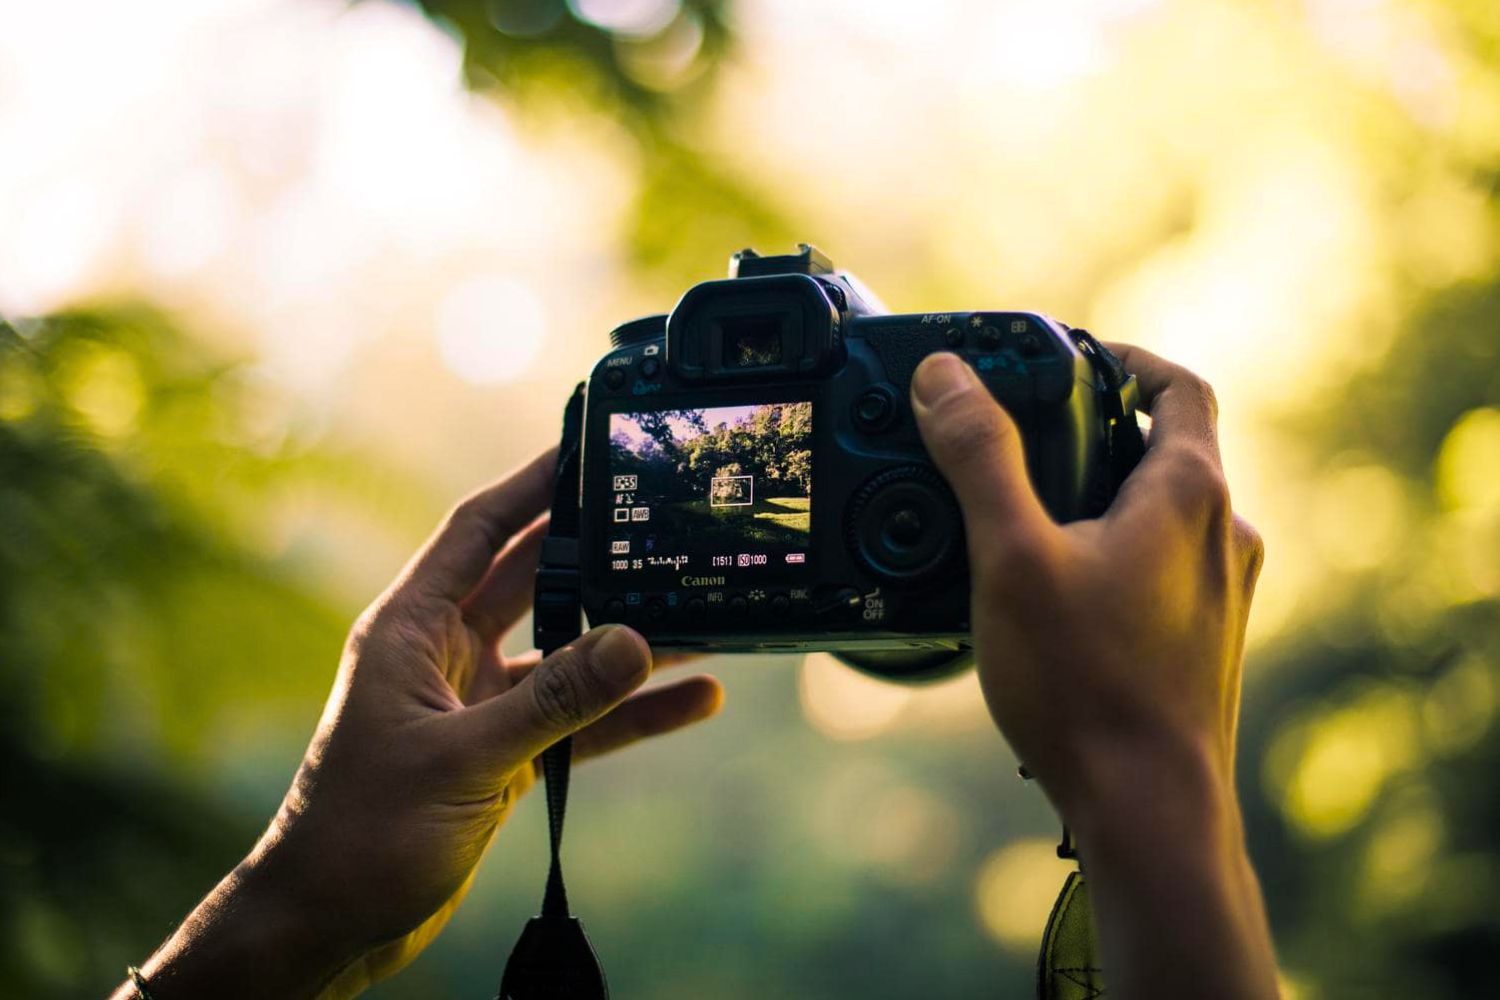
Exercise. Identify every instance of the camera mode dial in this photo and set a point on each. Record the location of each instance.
(638, 331)
(904, 526)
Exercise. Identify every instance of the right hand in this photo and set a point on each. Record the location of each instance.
(1109, 650)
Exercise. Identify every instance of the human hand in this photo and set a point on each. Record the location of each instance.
(427, 741)
(1109, 654)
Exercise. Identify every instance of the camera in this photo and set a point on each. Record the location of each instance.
(752, 480)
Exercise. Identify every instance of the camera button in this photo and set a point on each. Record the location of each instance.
(614, 611)
(875, 408)
(739, 606)
(989, 338)
(614, 378)
(904, 526)
(696, 609)
(656, 609)
(650, 368)
(780, 604)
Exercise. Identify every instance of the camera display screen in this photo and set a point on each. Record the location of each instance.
(725, 487)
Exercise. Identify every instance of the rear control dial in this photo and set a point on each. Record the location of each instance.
(904, 525)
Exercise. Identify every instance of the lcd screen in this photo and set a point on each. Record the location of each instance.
(725, 487)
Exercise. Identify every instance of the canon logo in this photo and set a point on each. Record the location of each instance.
(703, 581)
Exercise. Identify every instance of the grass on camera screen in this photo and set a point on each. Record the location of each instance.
(724, 486)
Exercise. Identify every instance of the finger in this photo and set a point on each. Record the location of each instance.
(1181, 476)
(496, 675)
(651, 713)
(567, 690)
(505, 593)
(977, 447)
(502, 675)
(1250, 549)
(1184, 411)
(461, 550)
(518, 667)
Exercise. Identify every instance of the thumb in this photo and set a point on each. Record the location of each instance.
(568, 690)
(977, 447)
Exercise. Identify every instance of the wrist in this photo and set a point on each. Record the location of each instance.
(252, 936)
(1161, 841)
(1152, 794)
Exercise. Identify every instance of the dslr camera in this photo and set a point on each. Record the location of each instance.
(751, 478)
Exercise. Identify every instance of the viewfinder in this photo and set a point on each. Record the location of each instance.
(751, 341)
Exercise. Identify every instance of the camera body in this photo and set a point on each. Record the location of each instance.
(752, 479)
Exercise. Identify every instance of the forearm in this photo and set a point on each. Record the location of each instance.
(247, 938)
(1176, 902)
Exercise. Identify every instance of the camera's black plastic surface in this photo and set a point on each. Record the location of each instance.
(884, 581)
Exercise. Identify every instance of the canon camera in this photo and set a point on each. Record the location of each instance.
(752, 480)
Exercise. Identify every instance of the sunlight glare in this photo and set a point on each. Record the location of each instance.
(1326, 771)
(1468, 464)
(1015, 890)
(490, 329)
(1358, 516)
(844, 704)
(627, 17)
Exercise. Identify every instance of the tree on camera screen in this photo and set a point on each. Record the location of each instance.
(725, 486)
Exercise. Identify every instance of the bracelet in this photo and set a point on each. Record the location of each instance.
(139, 982)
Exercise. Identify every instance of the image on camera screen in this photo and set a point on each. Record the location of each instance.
(714, 488)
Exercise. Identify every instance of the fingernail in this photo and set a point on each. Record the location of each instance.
(939, 377)
(620, 654)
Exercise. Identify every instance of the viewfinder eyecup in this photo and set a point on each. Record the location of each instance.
(754, 328)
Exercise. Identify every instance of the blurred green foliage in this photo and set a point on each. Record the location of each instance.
(135, 606)
(1391, 893)
(523, 47)
(690, 209)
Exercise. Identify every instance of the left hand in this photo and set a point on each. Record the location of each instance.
(427, 741)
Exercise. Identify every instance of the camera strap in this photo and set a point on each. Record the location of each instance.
(1067, 965)
(553, 960)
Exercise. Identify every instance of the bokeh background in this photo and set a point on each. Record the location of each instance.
(284, 278)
